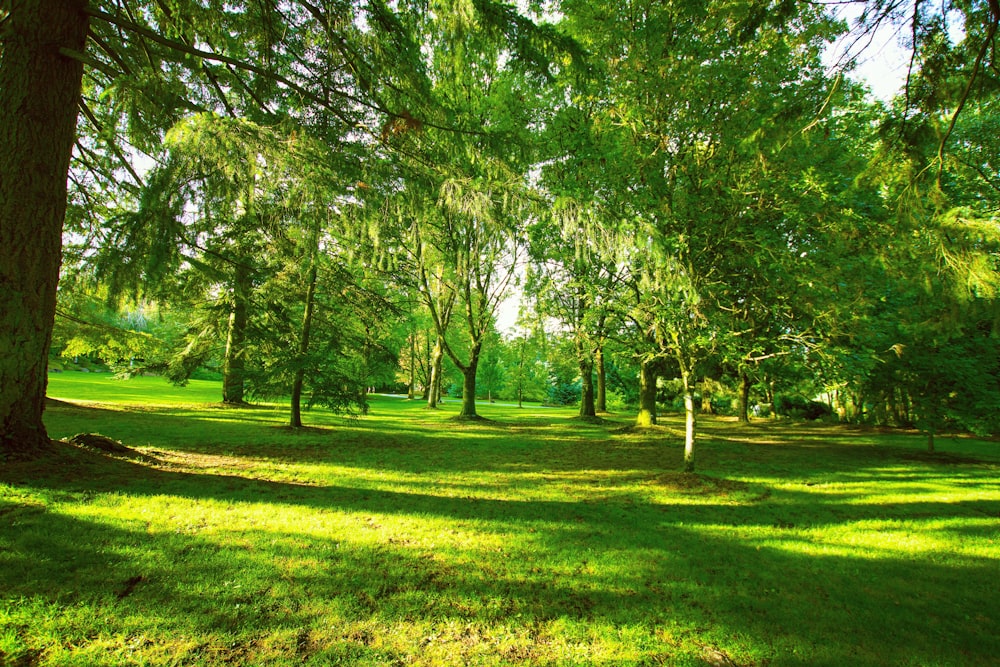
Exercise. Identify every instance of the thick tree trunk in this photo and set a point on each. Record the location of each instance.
(39, 94)
(647, 395)
(300, 372)
(437, 362)
(744, 405)
(469, 385)
(234, 364)
(601, 404)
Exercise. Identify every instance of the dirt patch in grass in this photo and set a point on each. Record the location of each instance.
(96, 442)
(688, 483)
(942, 458)
(589, 419)
(633, 429)
(304, 430)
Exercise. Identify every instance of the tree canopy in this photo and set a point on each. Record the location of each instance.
(314, 198)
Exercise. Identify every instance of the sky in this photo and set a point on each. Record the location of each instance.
(882, 61)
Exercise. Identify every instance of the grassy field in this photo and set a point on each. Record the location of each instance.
(408, 538)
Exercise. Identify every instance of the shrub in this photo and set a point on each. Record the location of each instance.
(800, 407)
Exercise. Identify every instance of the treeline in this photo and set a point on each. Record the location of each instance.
(317, 198)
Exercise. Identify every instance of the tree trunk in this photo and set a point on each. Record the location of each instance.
(744, 406)
(39, 94)
(706, 398)
(411, 388)
(295, 420)
(437, 362)
(234, 364)
(930, 440)
(427, 368)
(602, 382)
(469, 385)
(689, 424)
(647, 395)
(587, 388)
(769, 384)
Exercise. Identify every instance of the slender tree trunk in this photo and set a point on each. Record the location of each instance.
(234, 364)
(602, 382)
(428, 368)
(39, 93)
(647, 394)
(520, 372)
(744, 406)
(689, 423)
(437, 363)
(469, 384)
(930, 440)
(587, 408)
(411, 389)
(769, 384)
(706, 398)
(300, 372)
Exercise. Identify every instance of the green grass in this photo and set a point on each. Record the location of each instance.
(408, 538)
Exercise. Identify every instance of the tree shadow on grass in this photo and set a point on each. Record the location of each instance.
(685, 578)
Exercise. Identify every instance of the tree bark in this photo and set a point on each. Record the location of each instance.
(601, 404)
(647, 394)
(39, 95)
(427, 366)
(706, 398)
(234, 364)
(437, 362)
(689, 423)
(300, 372)
(411, 388)
(587, 408)
(469, 384)
(744, 405)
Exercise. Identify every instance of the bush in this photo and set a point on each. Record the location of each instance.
(563, 393)
(817, 410)
(616, 402)
(800, 407)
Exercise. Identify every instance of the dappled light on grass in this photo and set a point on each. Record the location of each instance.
(531, 541)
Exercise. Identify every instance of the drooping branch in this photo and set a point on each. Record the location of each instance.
(965, 93)
(181, 47)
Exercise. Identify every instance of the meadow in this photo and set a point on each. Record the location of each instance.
(406, 537)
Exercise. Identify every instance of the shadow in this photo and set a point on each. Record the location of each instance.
(701, 574)
(777, 563)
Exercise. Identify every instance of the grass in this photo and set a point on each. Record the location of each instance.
(409, 538)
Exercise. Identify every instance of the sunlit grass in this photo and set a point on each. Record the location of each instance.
(408, 538)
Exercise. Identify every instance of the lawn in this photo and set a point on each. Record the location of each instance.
(408, 538)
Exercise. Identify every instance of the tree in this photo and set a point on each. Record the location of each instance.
(576, 280)
(683, 139)
(465, 194)
(39, 89)
(181, 55)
